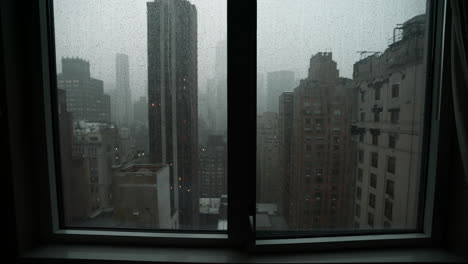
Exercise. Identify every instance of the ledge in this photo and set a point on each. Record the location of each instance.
(106, 254)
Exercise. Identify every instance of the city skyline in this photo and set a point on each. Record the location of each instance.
(96, 31)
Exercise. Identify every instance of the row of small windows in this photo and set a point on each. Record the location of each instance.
(394, 116)
(377, 92)
(391, 161)
(389, 188)
(375, 139)
(388, 212)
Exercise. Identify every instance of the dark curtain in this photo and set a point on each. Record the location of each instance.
(459, 65)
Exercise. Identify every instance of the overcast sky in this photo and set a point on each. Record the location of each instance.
(96, 30)
(289, 32)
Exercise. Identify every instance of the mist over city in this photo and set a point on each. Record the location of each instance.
(142, 110)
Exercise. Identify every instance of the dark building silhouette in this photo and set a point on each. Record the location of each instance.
(85, 95)
(213, 168)
(172, 98)
(285, 129)
(75, 180)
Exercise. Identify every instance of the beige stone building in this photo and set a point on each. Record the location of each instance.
(387, 133)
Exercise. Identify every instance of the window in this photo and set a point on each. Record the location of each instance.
(373, 180)
(377, 117)
(363, 116)
(395, 90)
(389, 188)
(375, 139)
(372, 200)
(394, 116)
(370, 219)
(361, 137)
(392, 141)
(358, 193)
(360, 156)
(363, 96)
(377, 93)
(388, 209)
(359, 174)
(344, 138)
(358, 210)
(374, 159)
(162, 189)
(391, 164)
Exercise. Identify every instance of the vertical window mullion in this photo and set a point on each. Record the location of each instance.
(242, 64)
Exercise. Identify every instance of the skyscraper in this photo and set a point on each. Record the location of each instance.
(172, 98)
(122, 85)
(319, 187)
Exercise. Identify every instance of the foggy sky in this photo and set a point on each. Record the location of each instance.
(290, 31)
(96, 30)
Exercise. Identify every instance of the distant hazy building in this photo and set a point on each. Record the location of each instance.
(285, 130)
(145, 197)
(213, 167)
(268, 177)
(172, 97)
(320, 186)
(391, 90)
(140, 110)
(278, 82)
(85, 95)
(122, 86)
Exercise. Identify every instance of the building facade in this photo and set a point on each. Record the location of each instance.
(319, 188)
(172, 98)
(285, 129)
(391, 90)
(145, 197)
(85, 95)
(99, 145)
(268, 177)
(213, 167)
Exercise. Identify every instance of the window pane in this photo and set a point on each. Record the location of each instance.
(141, 87)
(365, 59)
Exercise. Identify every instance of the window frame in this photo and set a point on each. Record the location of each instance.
(242, 72)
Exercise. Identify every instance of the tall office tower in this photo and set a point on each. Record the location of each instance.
(172, 98)
(122, 84)
(319, 194)
(268, 181)
(388, 133)
(213, 170)
(85, 95)
(285, 128)
(278, 82)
